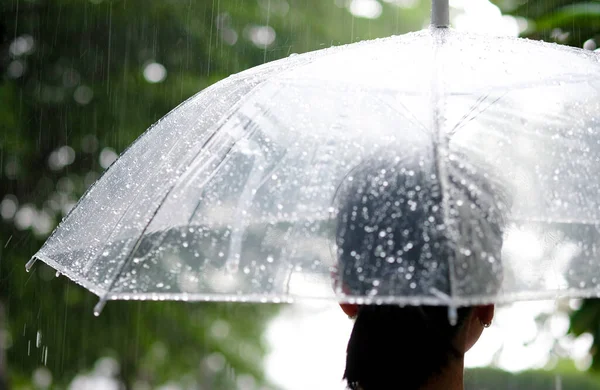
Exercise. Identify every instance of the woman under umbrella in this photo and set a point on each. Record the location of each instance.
(397, 236)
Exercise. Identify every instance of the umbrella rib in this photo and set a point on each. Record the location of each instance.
(100, 305)
(225, 157)
(162, 235)
(107, 172)
(440, 148)
(288, 278)
(91, 263)
(408, 114)
(462, 123)
(98, 308)
(251, 126)
(477, 103)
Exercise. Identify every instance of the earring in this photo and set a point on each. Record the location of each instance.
(484, 324)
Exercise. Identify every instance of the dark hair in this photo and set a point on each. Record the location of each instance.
(400, 234)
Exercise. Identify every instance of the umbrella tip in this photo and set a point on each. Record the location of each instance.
(30, 264)
(452, 315)
(440, 13)
(99, 306)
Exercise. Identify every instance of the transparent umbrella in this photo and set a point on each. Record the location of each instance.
(245, 192)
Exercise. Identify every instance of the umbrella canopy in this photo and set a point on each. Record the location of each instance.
(435, 167)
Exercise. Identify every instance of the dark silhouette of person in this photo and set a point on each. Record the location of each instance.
(406, 230)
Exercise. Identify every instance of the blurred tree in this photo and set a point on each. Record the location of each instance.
(80, 80)
(494, 379)
(570, 22)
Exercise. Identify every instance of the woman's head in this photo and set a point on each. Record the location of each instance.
(404, 230)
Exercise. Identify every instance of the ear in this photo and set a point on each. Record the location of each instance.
(480, 317)
(485, 314)
(350, 309)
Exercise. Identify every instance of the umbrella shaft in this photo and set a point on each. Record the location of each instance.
(440, 16)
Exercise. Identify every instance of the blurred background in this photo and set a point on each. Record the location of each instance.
(81, 79)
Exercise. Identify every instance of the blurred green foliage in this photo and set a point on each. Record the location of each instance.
(569, 22)
(72, 93)
(494, 379)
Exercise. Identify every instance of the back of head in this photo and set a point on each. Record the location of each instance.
(404, 233)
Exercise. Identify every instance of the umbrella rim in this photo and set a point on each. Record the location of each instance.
(498, 299)
(62, 270)
(547, 295)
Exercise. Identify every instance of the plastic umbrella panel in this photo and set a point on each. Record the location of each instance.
(435, 167)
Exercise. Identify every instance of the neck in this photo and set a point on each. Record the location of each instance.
(451, 378)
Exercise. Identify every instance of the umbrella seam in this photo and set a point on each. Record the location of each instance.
(252, 91)
(440, 148)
